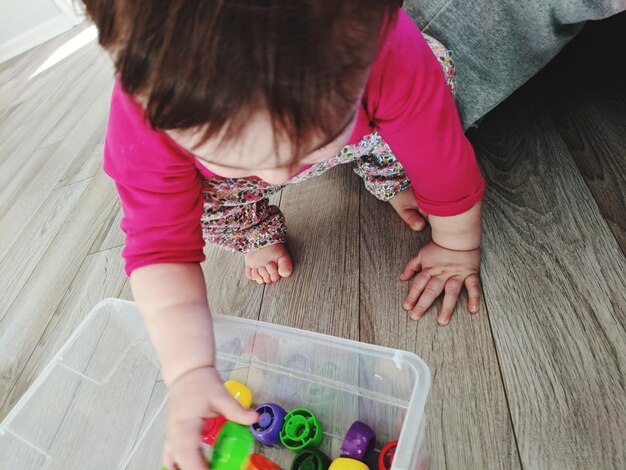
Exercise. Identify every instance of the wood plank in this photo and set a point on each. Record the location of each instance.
(52, 96)
(588, 110)
(591, 123)
(61, 124)
(99, 277)
(322, 293)
(110, 234)
(555, 289)
(17, 69)
(25, 321)
(467, 402)
(60, 164)
(22, 258)
(229, 291)
(88, 160)
(28, 82)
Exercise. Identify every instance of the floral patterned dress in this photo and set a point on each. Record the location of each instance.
(238, 217)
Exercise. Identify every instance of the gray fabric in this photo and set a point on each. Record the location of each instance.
(497, 45)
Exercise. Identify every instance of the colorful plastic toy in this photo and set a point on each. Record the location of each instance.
(359, 441)
(233, 447)
(239, 392)
(385, 459)
(301, 430)
(343, 463)
(310, 459)
(260, 462)
(271, 421)
(212, 428)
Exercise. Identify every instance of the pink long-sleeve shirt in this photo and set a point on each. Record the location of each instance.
(406, 100)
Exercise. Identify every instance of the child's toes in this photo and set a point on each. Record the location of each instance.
(255, 276)
(272, 270)
(264, 275)
(285, 267)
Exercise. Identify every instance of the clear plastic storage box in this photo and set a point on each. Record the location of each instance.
(101, 402)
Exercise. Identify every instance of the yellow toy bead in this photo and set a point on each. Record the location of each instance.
(239, 392)
(343, 463)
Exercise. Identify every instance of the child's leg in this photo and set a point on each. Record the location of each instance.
(244, 228)
(238, 217)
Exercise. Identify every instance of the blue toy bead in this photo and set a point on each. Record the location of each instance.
(271, 421)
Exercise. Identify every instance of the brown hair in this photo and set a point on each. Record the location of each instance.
(211, 63)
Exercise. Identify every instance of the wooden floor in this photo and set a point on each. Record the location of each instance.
(535, 380)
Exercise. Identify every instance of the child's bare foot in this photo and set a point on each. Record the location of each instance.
(406, 207)
(268, 264)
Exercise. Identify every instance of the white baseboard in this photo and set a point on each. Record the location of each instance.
(34, 36)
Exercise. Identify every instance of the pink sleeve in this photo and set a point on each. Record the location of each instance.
(159, 187)
(414, 112)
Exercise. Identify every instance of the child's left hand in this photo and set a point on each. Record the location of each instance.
(441, 270)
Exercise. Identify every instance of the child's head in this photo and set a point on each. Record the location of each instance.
(251, 86)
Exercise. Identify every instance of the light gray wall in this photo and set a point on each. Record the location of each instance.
(19, 16)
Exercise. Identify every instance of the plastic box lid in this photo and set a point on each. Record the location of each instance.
(101, 402)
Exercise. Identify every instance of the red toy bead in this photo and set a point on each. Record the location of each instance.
(260, 462)
(385, 459)
(212, 428)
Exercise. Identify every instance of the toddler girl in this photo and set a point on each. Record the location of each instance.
(218, 104)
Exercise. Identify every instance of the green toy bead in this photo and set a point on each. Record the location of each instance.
(234, 445)
(310, 459)
(301, 430)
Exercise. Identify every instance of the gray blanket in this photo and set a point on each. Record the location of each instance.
(497, 45)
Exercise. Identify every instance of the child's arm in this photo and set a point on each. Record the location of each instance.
(173, 303)
(161, 194)
(411, 107)
(448, 263)
(460, 232)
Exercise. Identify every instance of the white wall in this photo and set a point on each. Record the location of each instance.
(27, 23)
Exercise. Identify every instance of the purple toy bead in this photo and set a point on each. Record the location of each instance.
(271, 421)
(359, 441)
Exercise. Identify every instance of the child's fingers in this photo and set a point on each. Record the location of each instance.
(264, 275)
(191, 458)
(472, 284)
(185, 447)
(451, 296)
(413, 219)
(233, 411)
(413, 266)
(256, 277)
(417, 286)
(272, 270)
(285, 266)
(249, 272)
(433, 288)
(168, 459)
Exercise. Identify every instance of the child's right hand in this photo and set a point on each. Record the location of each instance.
(193, 396)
